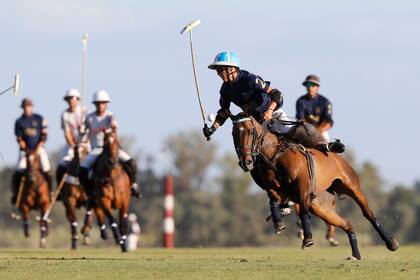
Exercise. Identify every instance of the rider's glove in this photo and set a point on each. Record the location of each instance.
(208, 131)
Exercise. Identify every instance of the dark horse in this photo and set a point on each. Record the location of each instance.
(74, 197)
(283, 169)
(35, 194)
(111, 188)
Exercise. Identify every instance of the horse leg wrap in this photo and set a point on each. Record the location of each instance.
(73, 229)
(353, 243)
(391, 243)
(123, 243)
(115, 232)
(44, 228)
(26, 228)
(104, 234)
(87, 218)
(306, 226)
(378, 227)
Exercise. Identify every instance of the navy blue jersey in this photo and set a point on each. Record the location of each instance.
(314, 110)
(30, 129)
(249, 92)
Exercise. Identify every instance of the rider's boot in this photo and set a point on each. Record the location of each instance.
(276, 215)
(130, 167)
(59, 173)
(85, 182)
(334, 147)
(16, 177)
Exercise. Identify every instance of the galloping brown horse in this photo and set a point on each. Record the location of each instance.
(74, 197)
(35, 195)
(283, 169)
(111, 187)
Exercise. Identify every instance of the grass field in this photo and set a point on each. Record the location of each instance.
(232, 263)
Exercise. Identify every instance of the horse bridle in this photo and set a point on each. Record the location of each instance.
(255, 147)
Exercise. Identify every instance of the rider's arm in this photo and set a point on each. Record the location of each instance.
(68, 135)
(276, 100)
(19, 136)
(300, 110)
(223, 113)
(113, 124)
(21, 142)
(326, 116)
(69, 138)
(44, 134)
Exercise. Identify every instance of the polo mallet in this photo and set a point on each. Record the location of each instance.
(56, 193)
(15, 86)
(189, 28)
(16, 216)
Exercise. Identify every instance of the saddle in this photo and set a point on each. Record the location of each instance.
(299, 133)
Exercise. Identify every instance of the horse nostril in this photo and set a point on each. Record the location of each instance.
(249, 162)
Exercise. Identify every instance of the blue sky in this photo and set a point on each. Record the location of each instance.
(366, 52)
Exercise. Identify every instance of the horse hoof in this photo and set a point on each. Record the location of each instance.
(86, 240)
(333, 242)
(43, 243)
(306, 243)
(124, 247)
(392, 244)
(353, 258)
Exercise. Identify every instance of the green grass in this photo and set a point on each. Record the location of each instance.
(232, 263)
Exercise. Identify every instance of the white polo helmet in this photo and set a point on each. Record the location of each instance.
(72, 93)
(101, 96)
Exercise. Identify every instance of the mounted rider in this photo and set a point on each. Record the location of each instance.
(73, 125)
(316, 109)
(31, 132)
(96, 124)
(254, 96)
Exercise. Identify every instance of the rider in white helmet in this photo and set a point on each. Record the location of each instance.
(73, 124)
(96, 123)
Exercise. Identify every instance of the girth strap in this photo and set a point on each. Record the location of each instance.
(311, 171)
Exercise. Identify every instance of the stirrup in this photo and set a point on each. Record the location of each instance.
(278, 228)
(285, 211)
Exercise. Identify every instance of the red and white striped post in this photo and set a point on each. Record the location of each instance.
(168, 219)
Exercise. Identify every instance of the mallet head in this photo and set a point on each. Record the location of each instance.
(190, 26)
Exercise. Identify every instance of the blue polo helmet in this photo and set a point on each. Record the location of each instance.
(225, 59)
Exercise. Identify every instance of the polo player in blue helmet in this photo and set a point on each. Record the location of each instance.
(254, 96)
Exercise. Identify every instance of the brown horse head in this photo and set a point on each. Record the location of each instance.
(247, 135)
(111, 146)
(33, 167)
(108, 159)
